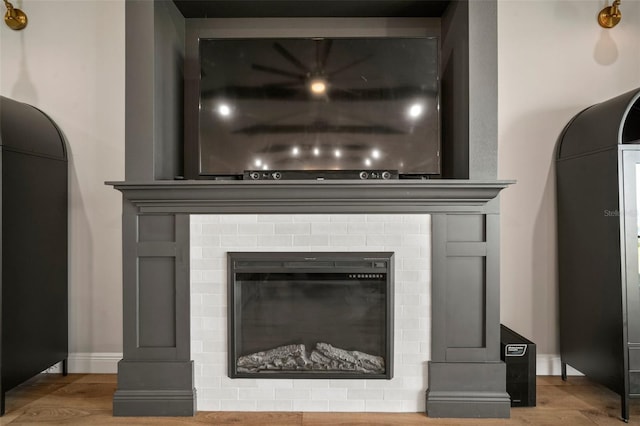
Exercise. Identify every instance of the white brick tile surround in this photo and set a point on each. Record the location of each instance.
(406, 235)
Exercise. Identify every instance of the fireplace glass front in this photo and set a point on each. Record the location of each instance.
(310, 315)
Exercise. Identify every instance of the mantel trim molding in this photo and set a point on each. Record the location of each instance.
(302, 196)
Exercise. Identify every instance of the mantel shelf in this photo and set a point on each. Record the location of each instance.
(310, 196)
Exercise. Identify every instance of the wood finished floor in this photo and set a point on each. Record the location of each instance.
(85, 399)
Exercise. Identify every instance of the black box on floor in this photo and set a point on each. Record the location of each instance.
(519, 354)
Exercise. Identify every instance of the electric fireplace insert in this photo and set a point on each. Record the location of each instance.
(311, 315)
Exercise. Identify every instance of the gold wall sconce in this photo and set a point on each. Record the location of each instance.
(610, 15)
(14, 18)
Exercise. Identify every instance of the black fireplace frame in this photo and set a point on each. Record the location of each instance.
(350, 262)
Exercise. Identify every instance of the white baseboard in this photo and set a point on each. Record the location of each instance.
(550, 365)
(91, 363)
(107, 363)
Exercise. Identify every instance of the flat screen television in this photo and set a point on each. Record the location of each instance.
(317, 105)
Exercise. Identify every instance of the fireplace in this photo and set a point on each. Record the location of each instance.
(164, 350)
(310, 315)
(156, 374)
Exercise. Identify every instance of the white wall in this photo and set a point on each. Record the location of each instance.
(554, 60)
(69, 62)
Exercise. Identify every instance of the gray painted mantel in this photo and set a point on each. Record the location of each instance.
(465, 375)
(155, 377)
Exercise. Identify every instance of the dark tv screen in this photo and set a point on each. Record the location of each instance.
(319, 104)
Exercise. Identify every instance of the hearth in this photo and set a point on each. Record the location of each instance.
(310, 315)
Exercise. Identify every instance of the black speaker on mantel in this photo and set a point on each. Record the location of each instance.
(519, 354)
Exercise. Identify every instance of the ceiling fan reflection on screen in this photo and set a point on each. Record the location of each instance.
(316, 78)
(317, 81)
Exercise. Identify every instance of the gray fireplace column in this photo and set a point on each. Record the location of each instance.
(466, 376)
(155, 376)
